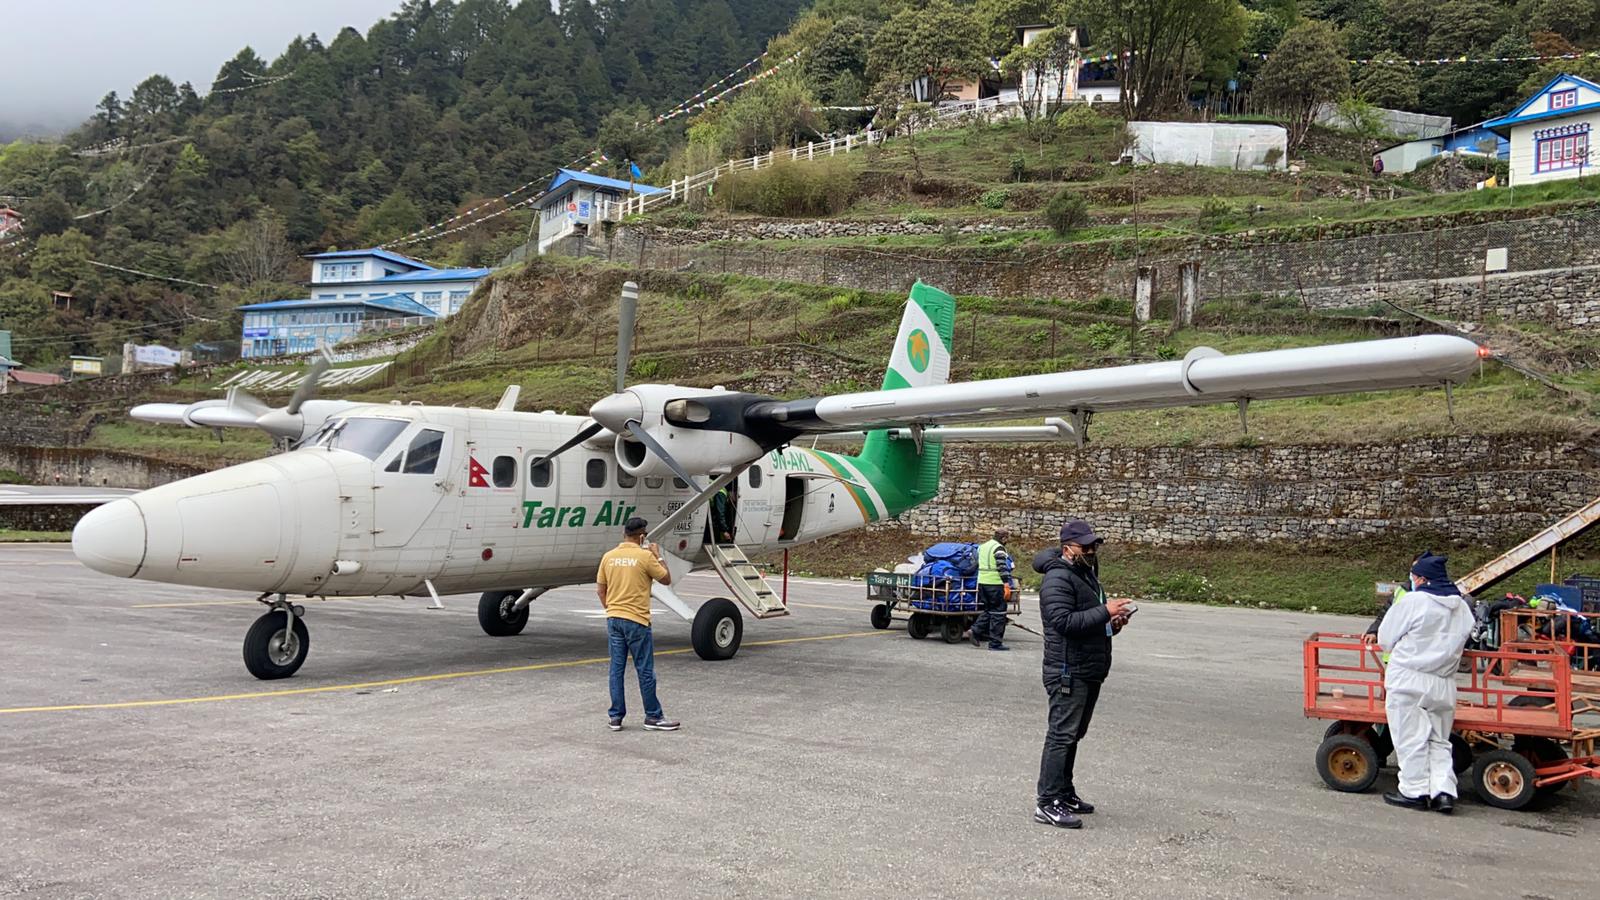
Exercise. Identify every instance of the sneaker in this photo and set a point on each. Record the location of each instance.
(660, 725)
(615, 724)
(998, 647)
(1057, 815)
(1076, 804)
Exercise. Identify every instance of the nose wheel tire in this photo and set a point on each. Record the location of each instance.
(718, 628)
(272, 650)
(495, 614)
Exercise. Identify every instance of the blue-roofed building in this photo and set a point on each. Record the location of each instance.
(576, 200)
(301, 326)
(1473, 140)
(353, 291)
(1552, 132)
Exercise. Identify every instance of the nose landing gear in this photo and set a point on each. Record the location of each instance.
(277, 643)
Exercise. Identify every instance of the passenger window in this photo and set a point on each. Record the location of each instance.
(422, 457)
(540, 475)
(679, 483)
(594, 473)
(755, 476)
(625, 480)
(654, 482)
(505, 472)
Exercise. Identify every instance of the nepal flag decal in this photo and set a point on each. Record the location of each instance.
(477, 475)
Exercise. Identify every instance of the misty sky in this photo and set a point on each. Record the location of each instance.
(64, 55)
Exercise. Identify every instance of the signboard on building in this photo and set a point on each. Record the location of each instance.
(87, 365)
(156, 355)
(583, 209)
(251, 334)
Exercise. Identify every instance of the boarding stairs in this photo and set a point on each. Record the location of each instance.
(746, 582)
(1546, 540)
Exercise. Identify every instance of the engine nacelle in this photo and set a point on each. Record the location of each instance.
(698, 450)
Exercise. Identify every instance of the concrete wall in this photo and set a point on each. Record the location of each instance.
(1481, 490)
(1242, 147)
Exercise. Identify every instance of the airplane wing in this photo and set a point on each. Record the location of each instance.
(1203, 377)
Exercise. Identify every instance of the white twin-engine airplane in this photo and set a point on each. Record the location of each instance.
(419, 500)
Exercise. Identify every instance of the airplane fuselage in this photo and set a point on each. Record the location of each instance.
(405, 495)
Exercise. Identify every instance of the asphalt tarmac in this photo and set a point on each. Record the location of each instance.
(413, 756)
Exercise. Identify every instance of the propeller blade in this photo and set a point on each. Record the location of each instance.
(588, 431)
(627, 314)
(308, 385)
(238, 399)
(643, 437)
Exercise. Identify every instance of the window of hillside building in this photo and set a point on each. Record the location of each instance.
(1564, 99)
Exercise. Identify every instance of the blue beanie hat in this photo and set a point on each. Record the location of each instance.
(1431, 567)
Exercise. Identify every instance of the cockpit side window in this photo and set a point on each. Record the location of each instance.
(368, 437)
(422, 457)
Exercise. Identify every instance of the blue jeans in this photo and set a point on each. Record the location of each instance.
(629, 637)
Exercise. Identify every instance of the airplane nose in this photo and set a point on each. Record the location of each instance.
(111, 539)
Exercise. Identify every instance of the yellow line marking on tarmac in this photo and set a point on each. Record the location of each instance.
(412, 679)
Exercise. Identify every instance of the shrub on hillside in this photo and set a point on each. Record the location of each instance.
(1215, 215)
(922, 218)
(793, 189)
(1067, 212)
(995, 199)
(1079, 117)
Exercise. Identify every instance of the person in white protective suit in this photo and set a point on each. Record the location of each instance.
(1424, 634)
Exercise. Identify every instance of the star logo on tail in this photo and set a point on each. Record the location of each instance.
(918, 350)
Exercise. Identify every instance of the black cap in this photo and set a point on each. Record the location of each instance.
(1077, 531)
(635, 526)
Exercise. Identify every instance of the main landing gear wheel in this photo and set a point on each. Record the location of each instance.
(1504, 778)
(496, 616)
(1347, 763)
(718, 628)
(272, 649)
(917, 626)
(950, 629)
(881, 617)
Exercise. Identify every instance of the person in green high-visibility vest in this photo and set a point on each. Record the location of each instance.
(994, 570)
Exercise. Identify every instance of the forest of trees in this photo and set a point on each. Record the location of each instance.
(366, 138)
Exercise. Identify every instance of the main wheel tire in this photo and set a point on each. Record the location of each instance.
(273, 651)
(881, 617)
(718, 628)
(1504, 778)
(1461, 754)
(950, 629)
(496, 617)
(917, 626)
(1347, 763)
(1542, 752)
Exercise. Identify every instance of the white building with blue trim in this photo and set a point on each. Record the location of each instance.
(575, 200)
(1552, 132)
(354, 291)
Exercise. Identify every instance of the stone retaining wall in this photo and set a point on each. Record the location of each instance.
(97, 468)
(1568, 298)
(1473, 489)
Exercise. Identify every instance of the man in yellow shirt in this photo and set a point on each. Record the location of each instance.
(623, 584)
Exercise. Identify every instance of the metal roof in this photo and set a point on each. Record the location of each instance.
(1515, 117)
(572, 176)
(378, 252)
(393, 302)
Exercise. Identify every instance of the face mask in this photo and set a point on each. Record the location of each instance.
(1414, 584)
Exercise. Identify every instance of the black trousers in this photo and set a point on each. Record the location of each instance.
(991, 622)
(1072, 703)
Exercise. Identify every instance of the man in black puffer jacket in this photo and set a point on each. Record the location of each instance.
(1078, 626)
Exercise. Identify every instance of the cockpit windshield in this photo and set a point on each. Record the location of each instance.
(368, 437)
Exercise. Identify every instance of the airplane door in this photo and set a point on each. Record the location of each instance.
(408, 486)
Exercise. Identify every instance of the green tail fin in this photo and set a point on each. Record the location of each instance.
(921, 357)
